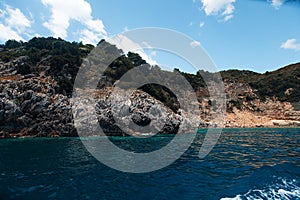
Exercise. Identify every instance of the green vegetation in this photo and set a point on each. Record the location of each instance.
(61, 60)
(284, 84)
(127, 62)
(64, 58)
(243, 76)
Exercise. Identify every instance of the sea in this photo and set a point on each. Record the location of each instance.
(258, 163)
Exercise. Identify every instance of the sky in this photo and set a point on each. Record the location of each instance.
(258, 35)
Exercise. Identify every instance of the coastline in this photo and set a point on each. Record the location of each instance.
(36, 98)
(20, 136)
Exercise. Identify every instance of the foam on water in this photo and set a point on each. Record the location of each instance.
(285, 190)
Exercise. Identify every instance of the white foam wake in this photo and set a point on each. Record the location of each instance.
(286, 190)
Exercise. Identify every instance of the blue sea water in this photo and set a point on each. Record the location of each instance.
(245, 164)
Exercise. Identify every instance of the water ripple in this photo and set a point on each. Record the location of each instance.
(245, 164)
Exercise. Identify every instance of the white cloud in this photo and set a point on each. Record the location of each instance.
(224, 8)
(17, 19)
(89, 37)
(228, 10)
(146, 45)
(201, 24)
(126, 28)
(125, 44)
(277, 3)
(291, 44)
(6, 33)
(62, 12)
(228, 17)
(153, 53)
(2, 13)
(195, 44)
(13, 24)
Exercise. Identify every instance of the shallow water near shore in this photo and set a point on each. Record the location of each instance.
(245, 164)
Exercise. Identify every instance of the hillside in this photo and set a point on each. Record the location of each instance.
(37, 77)
(282, 83)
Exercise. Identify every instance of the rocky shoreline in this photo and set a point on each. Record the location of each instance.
(35, 98)
(29, 107)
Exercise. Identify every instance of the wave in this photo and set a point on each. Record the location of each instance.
(284, 190)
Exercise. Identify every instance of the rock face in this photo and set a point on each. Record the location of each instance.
(28, 107)
(285, 123)
(138, 115)
(31, 106)
(246, 109)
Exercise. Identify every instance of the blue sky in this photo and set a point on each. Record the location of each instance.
(240, 34)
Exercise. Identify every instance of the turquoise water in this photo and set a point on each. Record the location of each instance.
(245, 164)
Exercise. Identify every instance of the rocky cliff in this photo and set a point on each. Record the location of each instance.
(30, 106)
(36, 82)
